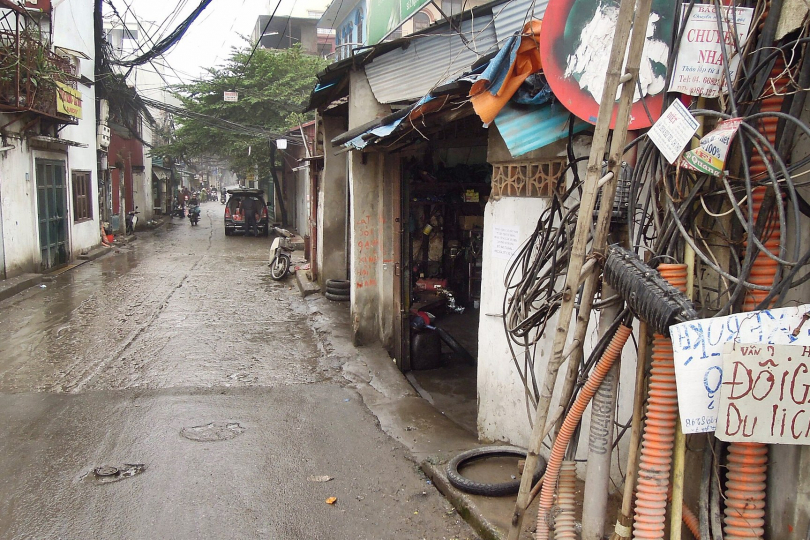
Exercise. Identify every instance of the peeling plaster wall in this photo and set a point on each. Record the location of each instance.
(367, 217)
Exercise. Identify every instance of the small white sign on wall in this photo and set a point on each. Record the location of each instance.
(765, 396)
(505, 241)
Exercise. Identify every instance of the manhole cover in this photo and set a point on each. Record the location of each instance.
(106, 471)
(215, 431)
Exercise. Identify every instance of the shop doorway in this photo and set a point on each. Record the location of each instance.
(445, 190)
(52, 213)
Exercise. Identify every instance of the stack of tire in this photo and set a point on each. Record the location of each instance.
(337, 290)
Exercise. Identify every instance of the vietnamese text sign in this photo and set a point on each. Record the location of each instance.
(505, 241)
(673, 131)
(699, 68)
(68, 100)
(765, 396)
(698, 346)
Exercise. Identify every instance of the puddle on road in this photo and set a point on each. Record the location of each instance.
(215, 431)
(107, 474)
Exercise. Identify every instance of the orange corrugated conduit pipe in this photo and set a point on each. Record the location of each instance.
(570, 423)
(746, 475)
(655, 460)
(565, 525)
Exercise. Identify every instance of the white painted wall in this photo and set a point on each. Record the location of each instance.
(73, 29)
(502, 410)
(18, 197)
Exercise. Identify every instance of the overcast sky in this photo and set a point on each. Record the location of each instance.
(212, 35)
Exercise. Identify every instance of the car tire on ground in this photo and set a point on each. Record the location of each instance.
(337, 292)
(483, 488)
(339, 286)
(337, 297)
(456, 347)
(266, 231)
(227, 232)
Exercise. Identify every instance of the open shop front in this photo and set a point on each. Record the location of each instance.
(445, 186)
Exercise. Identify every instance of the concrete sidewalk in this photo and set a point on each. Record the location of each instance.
(431, 437)
(12, 286)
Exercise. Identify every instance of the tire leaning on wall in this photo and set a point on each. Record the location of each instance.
(338, 290)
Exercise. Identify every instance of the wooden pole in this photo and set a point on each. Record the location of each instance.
(578, 252)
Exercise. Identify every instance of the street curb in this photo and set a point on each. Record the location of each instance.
(305, 286)
(465, 507)
(95, 253)
(16, 285)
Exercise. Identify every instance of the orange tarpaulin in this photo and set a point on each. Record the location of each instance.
(527, 61)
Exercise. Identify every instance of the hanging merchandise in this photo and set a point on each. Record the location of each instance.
(575, 46)
(703, 53)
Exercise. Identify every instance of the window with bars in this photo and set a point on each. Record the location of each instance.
(82, 201)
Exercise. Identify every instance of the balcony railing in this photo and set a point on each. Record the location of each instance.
(343, 51)
(30, 73)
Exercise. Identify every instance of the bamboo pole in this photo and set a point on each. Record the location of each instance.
(578, 251)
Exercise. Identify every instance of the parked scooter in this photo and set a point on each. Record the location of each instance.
(131, 221)
(280, 253)
(178, 211)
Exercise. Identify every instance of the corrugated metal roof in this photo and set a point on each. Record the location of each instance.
(429, 60)
(511, 16)
(527, 128)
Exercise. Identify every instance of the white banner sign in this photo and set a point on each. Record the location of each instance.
(698, 347)
(505, 241)
(231, 97)
(699, 68)
(765, 396)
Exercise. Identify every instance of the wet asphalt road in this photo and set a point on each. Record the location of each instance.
(184, 330)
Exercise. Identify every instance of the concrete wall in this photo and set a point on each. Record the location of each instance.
(366, 217)
(19, 213)
(503, 414)
(332, 205)
(73, 29)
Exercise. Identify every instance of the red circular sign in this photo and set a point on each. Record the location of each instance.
(563, 27)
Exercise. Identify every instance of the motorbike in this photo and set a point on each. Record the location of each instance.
(194, 215)
(178, 211)
(223, 198)
(131, 221)
(280, 253)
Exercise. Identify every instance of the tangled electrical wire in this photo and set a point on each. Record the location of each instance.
(672, 209)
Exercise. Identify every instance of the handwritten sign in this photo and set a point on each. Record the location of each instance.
(505, 241)
(765, 396)
(673, 131)
(699, 68)
(698, 346)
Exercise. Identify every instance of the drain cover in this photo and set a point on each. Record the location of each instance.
(215, 431)
(106, 471)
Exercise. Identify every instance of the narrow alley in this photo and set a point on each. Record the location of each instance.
(179, 362)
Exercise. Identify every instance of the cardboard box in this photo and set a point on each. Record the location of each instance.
(469, 223)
